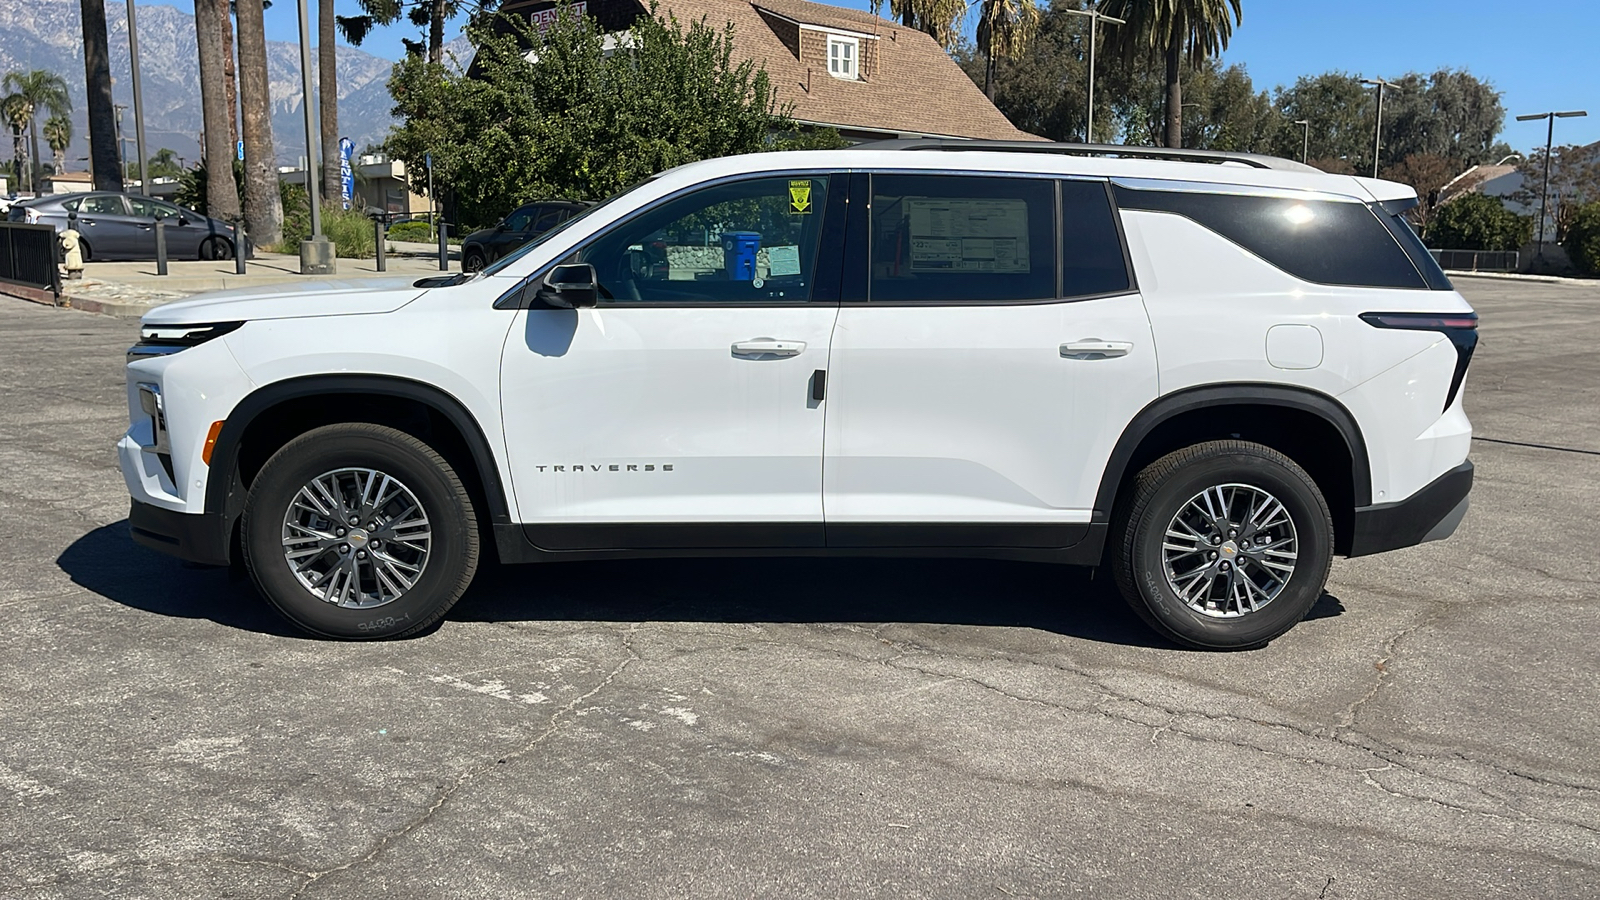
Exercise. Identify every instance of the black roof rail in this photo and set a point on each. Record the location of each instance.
(1254, 160)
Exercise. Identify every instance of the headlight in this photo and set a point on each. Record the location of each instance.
(163, 340)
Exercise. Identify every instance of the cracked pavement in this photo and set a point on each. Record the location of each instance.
(937, 728)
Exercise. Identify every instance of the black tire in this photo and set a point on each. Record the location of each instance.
(215, 248)
(473, 261)
(83, 249)
(452, 554)
(1163, 489)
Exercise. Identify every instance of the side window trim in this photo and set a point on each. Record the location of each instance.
(520, 297)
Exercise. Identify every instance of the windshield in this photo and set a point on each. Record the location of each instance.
(510, 258)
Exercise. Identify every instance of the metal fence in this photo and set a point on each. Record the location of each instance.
(1477, 260)
(28, 256)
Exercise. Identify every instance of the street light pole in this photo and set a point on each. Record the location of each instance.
(1305, 144)
(316, 253)
(1095, 16)
(1377, 138)
(1549, 142)
(138, 102)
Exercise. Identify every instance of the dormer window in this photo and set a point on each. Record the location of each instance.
(842, 55)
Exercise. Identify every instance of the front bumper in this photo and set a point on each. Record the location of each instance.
(1431, 514)
(197, 537)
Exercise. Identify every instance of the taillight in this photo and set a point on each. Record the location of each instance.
(1460, 328)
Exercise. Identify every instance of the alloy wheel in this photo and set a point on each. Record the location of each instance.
(1230, 550)
(356, 538)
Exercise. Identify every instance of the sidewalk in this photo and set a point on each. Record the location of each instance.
(132, 288)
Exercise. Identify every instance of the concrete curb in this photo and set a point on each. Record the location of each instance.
(33, 295)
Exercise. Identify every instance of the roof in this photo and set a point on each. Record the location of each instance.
(1471, 180)
(916, 88)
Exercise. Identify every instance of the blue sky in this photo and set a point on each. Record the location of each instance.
(1542, 61)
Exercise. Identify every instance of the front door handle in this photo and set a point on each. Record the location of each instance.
(767, 348)
(1094, 348)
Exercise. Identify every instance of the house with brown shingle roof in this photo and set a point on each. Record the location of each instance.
(868, 77)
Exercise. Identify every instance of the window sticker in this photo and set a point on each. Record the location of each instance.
(800, 197)
(783, 261)
(968, 235)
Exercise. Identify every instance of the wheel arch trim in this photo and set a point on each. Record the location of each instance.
(221, 495)
(1200, 397)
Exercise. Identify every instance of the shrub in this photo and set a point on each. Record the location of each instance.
(419, 232)
(1478, 222)
(1583, 239)
(350, 231)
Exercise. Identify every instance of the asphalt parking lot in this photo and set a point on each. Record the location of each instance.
(793, 728)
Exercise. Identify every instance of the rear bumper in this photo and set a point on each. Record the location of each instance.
(197, 537)
(1431, 514)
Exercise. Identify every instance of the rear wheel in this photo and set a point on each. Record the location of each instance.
(1223, 545)
(360, 531)
(215, 248)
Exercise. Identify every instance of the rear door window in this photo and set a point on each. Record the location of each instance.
(1092, 261)
(962, 239)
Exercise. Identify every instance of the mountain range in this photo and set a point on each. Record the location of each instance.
(47, 34)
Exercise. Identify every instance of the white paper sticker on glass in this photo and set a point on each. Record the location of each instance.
(968, 235)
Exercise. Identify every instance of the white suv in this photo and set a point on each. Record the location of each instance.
(1210, 372)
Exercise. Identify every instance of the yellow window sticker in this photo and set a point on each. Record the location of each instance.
(800, 196)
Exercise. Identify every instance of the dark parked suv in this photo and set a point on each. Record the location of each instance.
(114, 225)
(528, 222)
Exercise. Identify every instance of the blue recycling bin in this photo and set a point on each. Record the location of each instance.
(739, 249)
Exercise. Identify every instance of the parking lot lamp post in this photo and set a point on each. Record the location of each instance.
(138, 102)
(1095, 17)
(1377, 137)
(316, 253)
(1305, 143)
(1549, 141)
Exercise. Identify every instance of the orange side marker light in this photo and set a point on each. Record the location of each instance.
(211, 442)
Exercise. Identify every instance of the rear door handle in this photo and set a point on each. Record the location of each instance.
(765, 347)
(1095, 348)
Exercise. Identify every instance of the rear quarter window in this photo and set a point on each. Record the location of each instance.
(1321, 241)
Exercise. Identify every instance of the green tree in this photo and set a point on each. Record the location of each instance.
(428, 14)
(1427, 173)
(939, 19)
(580, 122)
(1174, 31)
(1574, 182)
(58, 134)
(42, 91)
(165, 164)
(1583, 238)
(1478, 222)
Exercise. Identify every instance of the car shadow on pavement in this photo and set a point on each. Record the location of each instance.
(1060, 599)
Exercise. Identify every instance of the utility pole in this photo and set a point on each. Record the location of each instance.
(1305, 144)
(122, 149)
(316, 254)
(1095, 17)
(1377, 139)
(138, 102)
(1549, 142)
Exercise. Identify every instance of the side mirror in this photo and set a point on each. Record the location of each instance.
(572, 286)
(183, 220)
(502, 227)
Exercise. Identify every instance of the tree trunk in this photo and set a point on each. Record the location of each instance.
(230, 75)
(222, 194)
(328, 98)
(35, 164)
(436, 33)
(1174, 95)
(104, 159)
(263, 208)
(988, 75)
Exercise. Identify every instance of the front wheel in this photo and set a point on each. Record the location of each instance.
(473, 261)
(1224, 545)
(360, 531)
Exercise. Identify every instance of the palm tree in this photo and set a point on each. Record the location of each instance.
(211, 22)
(1004, 27)
(263, 206)
(431, 14)
(1174, 30)
(58, 134)
(104, 155)
(328, 99)
(939, 19)
(14, 109)
(44, 90)
(165, 164)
